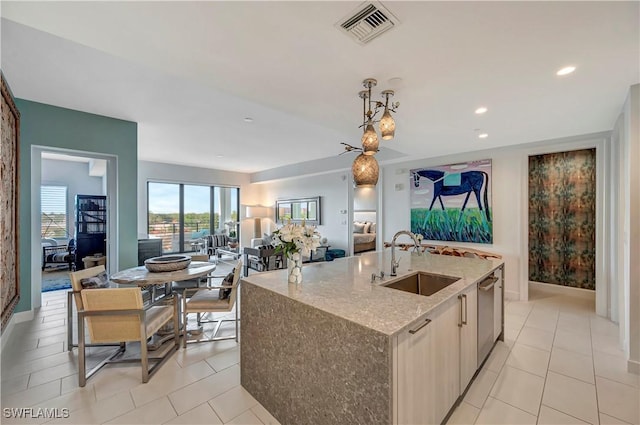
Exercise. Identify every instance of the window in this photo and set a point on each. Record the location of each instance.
(164, 214)
(53, 208)
(180, 214)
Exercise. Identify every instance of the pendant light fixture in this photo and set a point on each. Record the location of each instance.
(370, 141)
(365, 170)
(365, 167)
(387, 124)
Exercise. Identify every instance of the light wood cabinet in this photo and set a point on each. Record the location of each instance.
(427, 367)
(416, 386)
(468, 304)
(435, 359)
(447, 359)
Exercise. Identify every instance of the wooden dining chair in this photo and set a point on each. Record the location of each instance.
(117, 315)
(187, 287)
(213, 299)
(80, 279)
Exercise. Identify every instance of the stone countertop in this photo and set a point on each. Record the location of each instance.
(343, 287)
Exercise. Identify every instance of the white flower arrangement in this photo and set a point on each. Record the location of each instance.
(300, 238)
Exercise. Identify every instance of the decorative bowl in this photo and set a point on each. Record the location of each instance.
(167, 263)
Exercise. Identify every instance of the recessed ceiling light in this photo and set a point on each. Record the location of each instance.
(483, 136)
(219, 156)
(481, 110)
(566, 70)
(248, 119)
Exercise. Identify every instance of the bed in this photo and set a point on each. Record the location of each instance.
(364, 236)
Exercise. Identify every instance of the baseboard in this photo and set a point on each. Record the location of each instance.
(587, 294)
(23, 316)
(633, 366)
(512, 295)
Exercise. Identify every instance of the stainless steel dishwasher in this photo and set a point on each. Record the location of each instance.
(485, 316)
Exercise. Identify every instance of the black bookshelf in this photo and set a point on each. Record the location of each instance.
(91, 227)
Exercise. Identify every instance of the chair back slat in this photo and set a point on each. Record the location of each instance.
(113, 328)
(199, 257)
(76, 278)
(236, 281)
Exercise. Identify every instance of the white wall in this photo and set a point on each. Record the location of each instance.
(75, 176)
(333, 188)
(509, 201)
(365, 198)
(171, 173)
(627, 238)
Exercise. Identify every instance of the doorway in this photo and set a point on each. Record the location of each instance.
(365, 219)
(68, 173)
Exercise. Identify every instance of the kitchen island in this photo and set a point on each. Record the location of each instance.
(341, 349)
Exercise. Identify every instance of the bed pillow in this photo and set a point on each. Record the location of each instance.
(99, 281)
(372, 228)
(358, 227)
(367, 226)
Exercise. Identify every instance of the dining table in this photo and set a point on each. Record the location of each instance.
(146, 279)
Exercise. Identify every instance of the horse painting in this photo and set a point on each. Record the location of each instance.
(466, 182)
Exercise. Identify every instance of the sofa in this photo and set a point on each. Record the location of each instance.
(217, 241)
(52, 253)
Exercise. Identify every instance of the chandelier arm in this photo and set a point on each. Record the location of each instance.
(364, 111)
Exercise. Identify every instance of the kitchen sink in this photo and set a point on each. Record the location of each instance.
(423, 283)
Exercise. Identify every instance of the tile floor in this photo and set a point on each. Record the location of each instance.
(560, 364)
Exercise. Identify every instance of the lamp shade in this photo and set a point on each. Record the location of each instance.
(365, 171)
(387, 125)
(370, 140)
(257, 212)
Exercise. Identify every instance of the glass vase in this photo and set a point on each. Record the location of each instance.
(294, 267)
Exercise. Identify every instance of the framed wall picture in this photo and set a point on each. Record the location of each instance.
(452, 202)
(298, 210)
(9, 255)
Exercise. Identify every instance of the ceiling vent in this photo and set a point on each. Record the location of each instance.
(367, 22)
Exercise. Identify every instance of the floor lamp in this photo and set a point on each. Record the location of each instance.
(257, 213)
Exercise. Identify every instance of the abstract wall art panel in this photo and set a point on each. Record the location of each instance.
(562, 218)
(452, 202)
(9, 260)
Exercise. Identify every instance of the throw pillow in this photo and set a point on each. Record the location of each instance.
(358, 227)
(367, 226)
(224, 293)
(99, 281)
(372, 228)
(267, 239)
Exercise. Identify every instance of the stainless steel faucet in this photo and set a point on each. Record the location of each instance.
(375, 276)
(394, 263)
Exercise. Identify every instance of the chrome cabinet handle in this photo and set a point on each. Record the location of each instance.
(461, 322)
(488, 283)
(420, 326)
(464, 322)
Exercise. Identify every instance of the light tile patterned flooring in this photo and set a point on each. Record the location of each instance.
(559, 364)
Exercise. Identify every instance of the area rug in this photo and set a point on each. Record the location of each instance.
(55, 280)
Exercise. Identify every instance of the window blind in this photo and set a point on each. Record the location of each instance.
(53, 206)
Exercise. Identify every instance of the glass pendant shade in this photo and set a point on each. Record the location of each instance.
(365, 171)
(387, 125)
(370, 140)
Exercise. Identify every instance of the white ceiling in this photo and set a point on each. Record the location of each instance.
(189, 72)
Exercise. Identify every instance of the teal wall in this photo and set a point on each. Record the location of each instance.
(46, 125)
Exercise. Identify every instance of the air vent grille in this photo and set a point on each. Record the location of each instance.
(367, 22)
